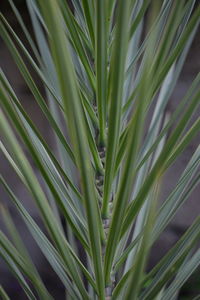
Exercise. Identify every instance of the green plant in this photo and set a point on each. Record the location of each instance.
(103, 65)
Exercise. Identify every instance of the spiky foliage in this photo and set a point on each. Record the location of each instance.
(105, 66)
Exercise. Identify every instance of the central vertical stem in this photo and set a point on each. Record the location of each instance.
(99, 180)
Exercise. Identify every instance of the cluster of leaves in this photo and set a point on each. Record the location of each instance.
(103, 65)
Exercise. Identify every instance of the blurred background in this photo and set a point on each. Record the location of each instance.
(180, 223)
